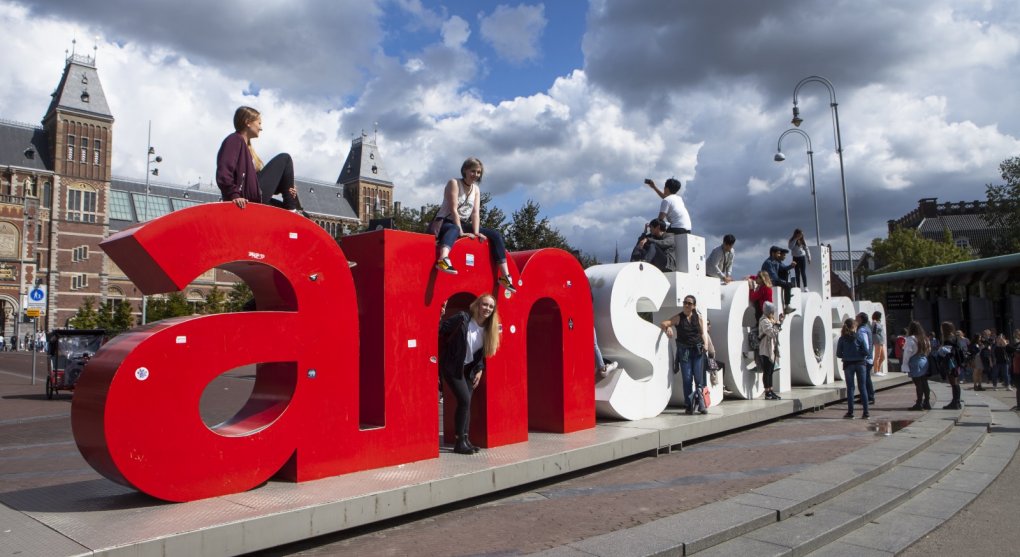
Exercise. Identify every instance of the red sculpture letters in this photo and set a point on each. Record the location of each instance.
(346, 371)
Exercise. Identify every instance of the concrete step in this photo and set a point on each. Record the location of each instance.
(846, 511)
(814, 507)
(898, 529)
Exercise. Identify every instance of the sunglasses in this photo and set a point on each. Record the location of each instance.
(688, 303)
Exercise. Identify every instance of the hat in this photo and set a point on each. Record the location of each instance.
(774, 249)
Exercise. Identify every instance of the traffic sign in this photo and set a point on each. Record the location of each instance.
(33, 312)
(37, 297)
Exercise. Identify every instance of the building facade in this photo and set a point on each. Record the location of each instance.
(965, 220)
(59, 200)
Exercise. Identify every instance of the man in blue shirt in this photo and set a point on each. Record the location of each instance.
(864, 333)
(779, 273)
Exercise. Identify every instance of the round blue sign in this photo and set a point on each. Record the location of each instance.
(37, 295)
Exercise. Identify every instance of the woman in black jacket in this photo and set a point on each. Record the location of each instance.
(465, 340)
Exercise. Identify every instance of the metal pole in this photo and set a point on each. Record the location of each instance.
(35, 331)
(148, 163)
(846, 204)
(814, 197)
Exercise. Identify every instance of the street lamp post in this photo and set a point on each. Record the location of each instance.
(149, 171)
(811, 166)
(839, 150)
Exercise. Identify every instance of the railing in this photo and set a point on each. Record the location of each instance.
(12, 199)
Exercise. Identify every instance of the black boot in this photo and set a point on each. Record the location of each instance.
(917, 406)
(473, 447)
(926, 405)
(462, 446)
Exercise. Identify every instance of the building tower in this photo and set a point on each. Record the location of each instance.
(367, 187)
(79, 128)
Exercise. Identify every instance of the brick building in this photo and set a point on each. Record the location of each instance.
(964, 219)
(59, 200)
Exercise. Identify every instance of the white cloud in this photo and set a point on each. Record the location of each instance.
(515, 32)
(455, 32)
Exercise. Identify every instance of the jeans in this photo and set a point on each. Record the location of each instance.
(855, 374)
(691, 361)
(277, 177)
(869, 387)
(800, 272)
(599, 361)
(448, 234)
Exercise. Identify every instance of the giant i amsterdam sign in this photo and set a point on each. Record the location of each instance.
(346, 361)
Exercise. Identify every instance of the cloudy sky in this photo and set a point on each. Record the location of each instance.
(569, 103)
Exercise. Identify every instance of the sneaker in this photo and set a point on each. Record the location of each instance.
(926, 405)
(789, 309)
(865, 416)
(445, 266)
(978, 388)
(952, 406)
(915, 407)
(611, 366)
(871, 402)
(882, 373)
(505, 282)
(848, 416)
(776, 396)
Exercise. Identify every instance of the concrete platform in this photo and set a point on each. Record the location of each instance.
(99, 517)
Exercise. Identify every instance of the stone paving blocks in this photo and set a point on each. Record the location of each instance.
(631, 542)
(809, 530)
(867, 501)
(935, 503)
(745, 546)
(893, 532)
(711, 524)
(908, 478)
(843, 549)
(967, 482)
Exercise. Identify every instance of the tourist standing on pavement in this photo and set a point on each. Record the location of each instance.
(864, 331)
(691, 346)
(1016, 366)
(466, 339)
(851, 349)
(915, 354)
(801, 256)
(1000, 371)
(985, 342)
(768, 349)
(460, 215)
(950, 357)
(878, 335)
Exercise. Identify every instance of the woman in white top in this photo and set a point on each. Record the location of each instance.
(460, 214)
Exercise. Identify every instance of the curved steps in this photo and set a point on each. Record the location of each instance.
(877, 500)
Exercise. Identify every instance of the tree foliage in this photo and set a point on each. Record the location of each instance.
(87, 316)
(240, 293)
(173, 304)
(215, 302)
(528, 229)
(115, 317)
(1004, 210)
(904, 249)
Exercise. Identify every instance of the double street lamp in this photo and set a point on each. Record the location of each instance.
(150, 159)
(839, 150)
(780, 157)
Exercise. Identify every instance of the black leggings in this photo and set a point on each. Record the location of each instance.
(1016, 383)
(462, 392)
(800, 271)
(767, 367)
(922, 389)
(277, 177)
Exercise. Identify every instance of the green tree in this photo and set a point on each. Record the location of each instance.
(114, 318)
(239, 295)
(529, 230)
(173, 304)
(1004, 210)
(215, 302)
(905, 248)
(491, 216)
(87, 316)
(414, 220)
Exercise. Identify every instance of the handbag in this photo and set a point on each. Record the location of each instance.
(706, 396)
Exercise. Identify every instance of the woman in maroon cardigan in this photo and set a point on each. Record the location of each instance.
(240, 174)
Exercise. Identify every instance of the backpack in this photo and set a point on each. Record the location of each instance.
(943, 361)
(753, 340)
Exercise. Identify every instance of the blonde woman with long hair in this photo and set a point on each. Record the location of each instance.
(466, 339)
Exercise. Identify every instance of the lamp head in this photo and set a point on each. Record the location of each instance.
(152, 150)
(780, 157)
(796, 117)
(159, 159)
(155, 172)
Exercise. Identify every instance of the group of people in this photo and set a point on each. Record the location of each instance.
(988, 356)
(861, 349)
(30, 342)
